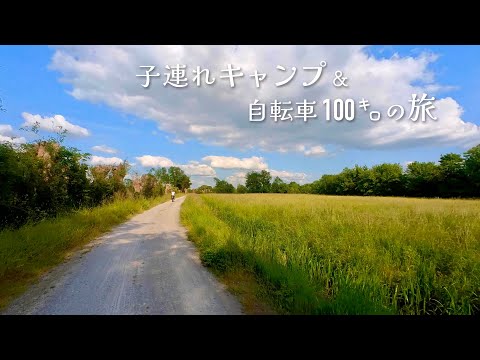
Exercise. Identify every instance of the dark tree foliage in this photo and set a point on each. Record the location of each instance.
(454, 176)
(204, 189)
(279, 186)
(41, 179)
(44, 178)
(258, 182)
(472, 170)
(174, 176)
(241, 189)
(224, 187)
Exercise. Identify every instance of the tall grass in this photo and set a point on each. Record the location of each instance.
(345, 255)
(28, 252)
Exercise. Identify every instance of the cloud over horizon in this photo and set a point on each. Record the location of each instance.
(193, 168)
(54, 123)
(196, 169)
(8, 135)
(100, 160)
(149, 161)
(288, 176)
(218, 114)
(104, 149)
(230, 162)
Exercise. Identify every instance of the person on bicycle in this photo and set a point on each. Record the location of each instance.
(173, 195)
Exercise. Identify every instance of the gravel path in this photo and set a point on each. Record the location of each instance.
(144, 266)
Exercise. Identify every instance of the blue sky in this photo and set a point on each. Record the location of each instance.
(39, 80)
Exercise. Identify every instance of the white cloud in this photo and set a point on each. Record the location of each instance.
(8, 135)
(155, 161)
(174, 140)
(237, 178)
(6, 130)
(54, 124)
(288, 176)
(315, 151)
(198, 182)
(218, 114)
(14, 140)
(229, 162)
(105, 149)
(195, 169)
(100, 160)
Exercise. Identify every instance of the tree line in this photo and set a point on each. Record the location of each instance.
(44, 178)
(453, 176)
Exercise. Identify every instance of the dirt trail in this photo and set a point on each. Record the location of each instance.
(144, 266)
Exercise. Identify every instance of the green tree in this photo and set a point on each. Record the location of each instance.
(422, 179)
(258, 182)
(39, 179)
(387, 179)
(223, 186)
(241, 189)
(279, 186)
(17, 191)
(149, 184)
(327, 184)
(174, 176)
(162, 175)
(306, 189)
(293, 188)
(348, 180)
(185, 183)
(155, 181)
(366, 181)
(453, 179)
(472, 170)
(204, 189)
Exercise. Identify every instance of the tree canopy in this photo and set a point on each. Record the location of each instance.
(258, 182)
(44, 178)
(455, 175)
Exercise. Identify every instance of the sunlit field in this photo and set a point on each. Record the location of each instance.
(314, 254)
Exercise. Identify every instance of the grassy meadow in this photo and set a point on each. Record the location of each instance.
(314, 254)
(29, 251)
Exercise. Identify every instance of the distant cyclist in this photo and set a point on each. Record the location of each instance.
(173, 196)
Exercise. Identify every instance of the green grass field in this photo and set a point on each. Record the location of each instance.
(312, 254)
(28, 252)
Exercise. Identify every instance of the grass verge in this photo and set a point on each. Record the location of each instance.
(311, 254)
(28, 252)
